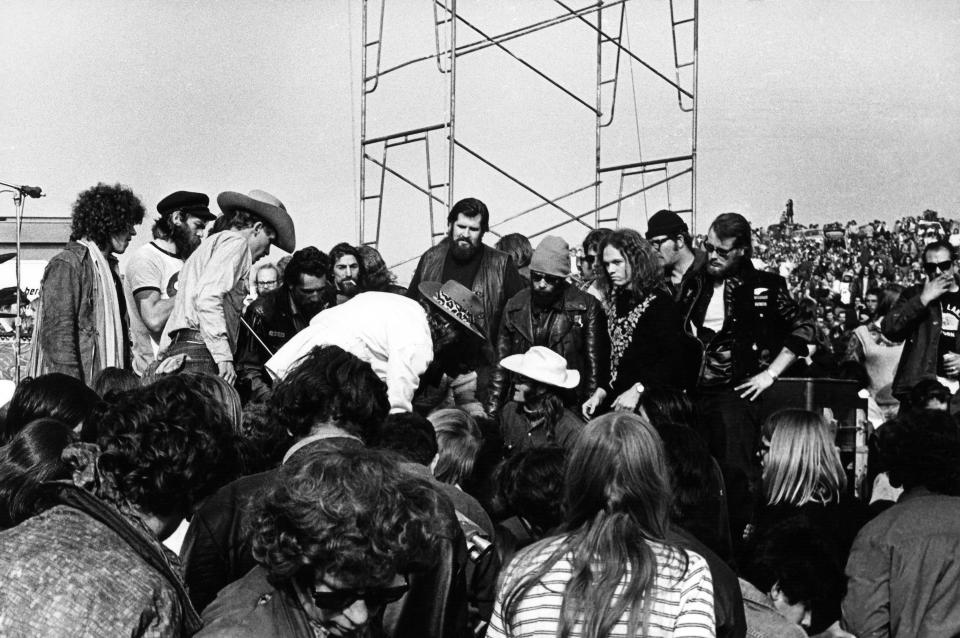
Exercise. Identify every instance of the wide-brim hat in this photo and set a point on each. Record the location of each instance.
(458, 301)
(543, 365)
(266, 207)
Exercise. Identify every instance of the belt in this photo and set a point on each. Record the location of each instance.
(186, 335)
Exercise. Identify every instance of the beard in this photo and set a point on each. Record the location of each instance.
(348, 287)
(463, 249)
(719, 270)
(545, 299)
(185, 240)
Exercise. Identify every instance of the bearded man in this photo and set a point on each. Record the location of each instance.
(152, 274)
(346, 271)
(535, 416)
(557, 315)
(274, 317)
(463, 257)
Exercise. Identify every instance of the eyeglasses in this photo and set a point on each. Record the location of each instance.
(656, 243)
(588, 258)
(344, 598)
(931, 267)
(551, 280)
(723, 253)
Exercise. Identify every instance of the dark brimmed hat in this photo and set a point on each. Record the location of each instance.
(665, 222)
(196, 204)
(458, 301)
(268, 208)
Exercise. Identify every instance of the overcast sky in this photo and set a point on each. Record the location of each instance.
(850, 108)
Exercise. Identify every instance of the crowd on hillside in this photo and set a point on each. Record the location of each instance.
(524, 441)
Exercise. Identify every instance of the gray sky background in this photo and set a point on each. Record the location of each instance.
(848, 107)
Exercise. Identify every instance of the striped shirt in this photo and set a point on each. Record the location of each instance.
(682, 599)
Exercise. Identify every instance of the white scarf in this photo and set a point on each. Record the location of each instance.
(110, 340)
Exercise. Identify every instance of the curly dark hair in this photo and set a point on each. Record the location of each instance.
(103, 211)
(330, 385)
(353, 513)
(646, 273)
(262, 442)
(306, 261)
(376, 275)
(166, 447)
(530, 484)
(796, 557)
(411, 436)
(920, 449)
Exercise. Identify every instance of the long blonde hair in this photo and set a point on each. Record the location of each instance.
(803, 464)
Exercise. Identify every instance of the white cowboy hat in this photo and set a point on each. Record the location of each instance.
(543, 365)
(266, 207)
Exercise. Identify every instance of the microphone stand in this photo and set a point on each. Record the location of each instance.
(18, 202)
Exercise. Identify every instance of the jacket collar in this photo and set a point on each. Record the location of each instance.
(148, 548)
(329, 434)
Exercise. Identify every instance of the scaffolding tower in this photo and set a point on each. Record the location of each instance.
(441, 149)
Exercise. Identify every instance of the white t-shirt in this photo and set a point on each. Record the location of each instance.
(714, 317)
(149, 268)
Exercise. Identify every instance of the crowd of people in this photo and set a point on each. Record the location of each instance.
(526, 441)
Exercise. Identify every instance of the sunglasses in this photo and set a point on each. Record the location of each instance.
(931, 267)
(588, 258)
(656, 243)
(550, 279)
(344, 598)
(723, 253)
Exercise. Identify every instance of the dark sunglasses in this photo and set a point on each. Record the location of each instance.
(588, 258)
(723, 253)
(344, 598)
(932, 267)
(553, 280)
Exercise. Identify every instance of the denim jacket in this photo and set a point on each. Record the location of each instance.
(68, 334)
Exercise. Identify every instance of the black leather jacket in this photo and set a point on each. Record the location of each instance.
(217, 551)
(496, 280)
(576, 328)
(271, 316)
(760, 319)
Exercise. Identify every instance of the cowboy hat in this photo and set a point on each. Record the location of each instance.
(543, 365)
(458, 301)
(268, 208)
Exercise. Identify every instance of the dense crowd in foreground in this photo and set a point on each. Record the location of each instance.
(509, 446)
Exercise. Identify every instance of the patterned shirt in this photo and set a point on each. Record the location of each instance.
(682, 605)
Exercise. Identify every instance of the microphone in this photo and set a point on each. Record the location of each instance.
(32, 191)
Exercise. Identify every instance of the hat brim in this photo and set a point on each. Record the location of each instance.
(429, 289)
(200, 212)
(514, 363)
(278, 218)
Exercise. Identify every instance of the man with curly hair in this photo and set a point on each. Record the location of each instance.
(81, 327)
(331, 570)
(331, 401)
(90, 562)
